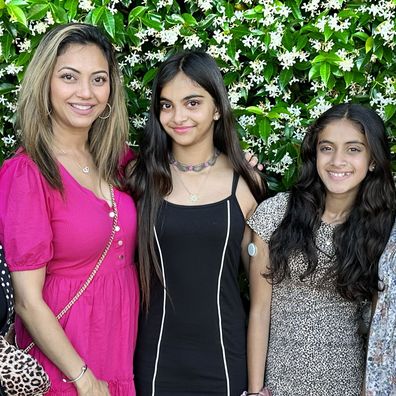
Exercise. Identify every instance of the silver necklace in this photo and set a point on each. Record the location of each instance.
(194, 197)
(84, 169)
(194, 168)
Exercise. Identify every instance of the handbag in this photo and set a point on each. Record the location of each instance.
(20, 373)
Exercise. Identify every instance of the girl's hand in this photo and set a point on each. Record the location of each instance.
(88, 385)
(253, 160)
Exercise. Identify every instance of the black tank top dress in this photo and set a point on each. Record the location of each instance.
(193, 339)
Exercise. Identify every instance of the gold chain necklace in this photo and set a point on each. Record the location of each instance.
(84, 169)
(194, 197)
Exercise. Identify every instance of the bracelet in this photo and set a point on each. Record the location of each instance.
(79, 376)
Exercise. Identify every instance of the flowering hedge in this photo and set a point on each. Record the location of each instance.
(284, 62)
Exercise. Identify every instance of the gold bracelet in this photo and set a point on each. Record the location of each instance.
(79, 376)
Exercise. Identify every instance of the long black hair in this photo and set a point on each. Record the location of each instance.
(150, 179)
(360, 240)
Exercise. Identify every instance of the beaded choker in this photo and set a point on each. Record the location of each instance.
(194, 168)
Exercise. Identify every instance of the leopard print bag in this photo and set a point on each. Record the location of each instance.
(20, 373)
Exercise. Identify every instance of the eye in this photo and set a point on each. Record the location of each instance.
(355, 149)
(324, 149)
(193, 103)
(164, 106)
(67, 77)
(100, 80)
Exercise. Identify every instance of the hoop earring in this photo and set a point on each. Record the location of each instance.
(108, 115)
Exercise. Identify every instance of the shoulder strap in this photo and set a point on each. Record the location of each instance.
(235, 179)
(115, 228)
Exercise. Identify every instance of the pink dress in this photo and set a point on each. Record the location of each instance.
(66, 234)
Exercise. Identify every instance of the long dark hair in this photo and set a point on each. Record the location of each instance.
(150, 180)
(360, 240)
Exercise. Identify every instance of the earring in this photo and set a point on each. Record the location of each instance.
(372, 167)
(216, 117)
(108, 115)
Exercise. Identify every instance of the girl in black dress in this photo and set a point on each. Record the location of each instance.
(194, 191)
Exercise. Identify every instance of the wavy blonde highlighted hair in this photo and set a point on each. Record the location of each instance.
(106, 137)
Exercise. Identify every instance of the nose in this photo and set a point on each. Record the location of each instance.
(179, 114)
(84, 89)
(338, 158)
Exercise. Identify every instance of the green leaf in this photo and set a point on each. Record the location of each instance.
(189, 19)
(230, 77)
(301, 42)
(109, 22)
(325, 70)
(327, 32)
(208, 21)
(16, 13)
(369, 44)
(314, 72)
(72, 7)
(37, 11)
(6, 88)
(348, 77)
(136, 13)
(361, 35)
(269, 71)
(151, 23)
(254, 110)
(284, 77)
(389, 111)
(58, 13)
(231, 51)
(265, 129)
(17, 3)
(149, 76)
(97, 15)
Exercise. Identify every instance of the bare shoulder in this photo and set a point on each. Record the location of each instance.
(245, 198)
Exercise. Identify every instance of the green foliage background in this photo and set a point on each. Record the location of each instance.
(284, 62)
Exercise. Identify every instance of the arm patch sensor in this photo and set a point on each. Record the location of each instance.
(252, 249)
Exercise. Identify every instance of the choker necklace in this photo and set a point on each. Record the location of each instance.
(194, 168)
(84, 169)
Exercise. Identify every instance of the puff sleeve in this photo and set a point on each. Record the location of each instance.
(25, 216)
(268, 215)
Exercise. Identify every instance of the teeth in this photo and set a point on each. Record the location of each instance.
(339, 174)
(81, 107)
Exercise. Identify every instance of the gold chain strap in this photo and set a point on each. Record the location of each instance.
(84, 287)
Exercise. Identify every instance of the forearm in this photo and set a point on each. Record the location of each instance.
(49, 336)
(257, 344)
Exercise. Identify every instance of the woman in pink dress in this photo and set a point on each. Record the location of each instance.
(61, 198)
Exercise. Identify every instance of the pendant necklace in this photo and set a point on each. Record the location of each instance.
(84, 169)
(194, 197)
(194, 168)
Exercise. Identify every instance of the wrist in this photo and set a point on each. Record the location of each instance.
(77, 378)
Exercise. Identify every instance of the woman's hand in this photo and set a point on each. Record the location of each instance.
(253, 160)
(88, 385)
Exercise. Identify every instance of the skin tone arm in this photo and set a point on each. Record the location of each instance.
(259, 316)
(48, 334)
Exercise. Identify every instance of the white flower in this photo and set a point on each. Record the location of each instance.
(163, 3)
(133, 59)
(85, 5)
(170, 36)
(205, 5)
(13, 69)
(276, 37)
(346, 64)
(8, 140)
(192, 41)
(273, 88)
(321, 106)
(245, 120)
(25, 45)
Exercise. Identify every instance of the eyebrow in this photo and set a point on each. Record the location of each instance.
(185, 98)
(78, 72)
(350, 142)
